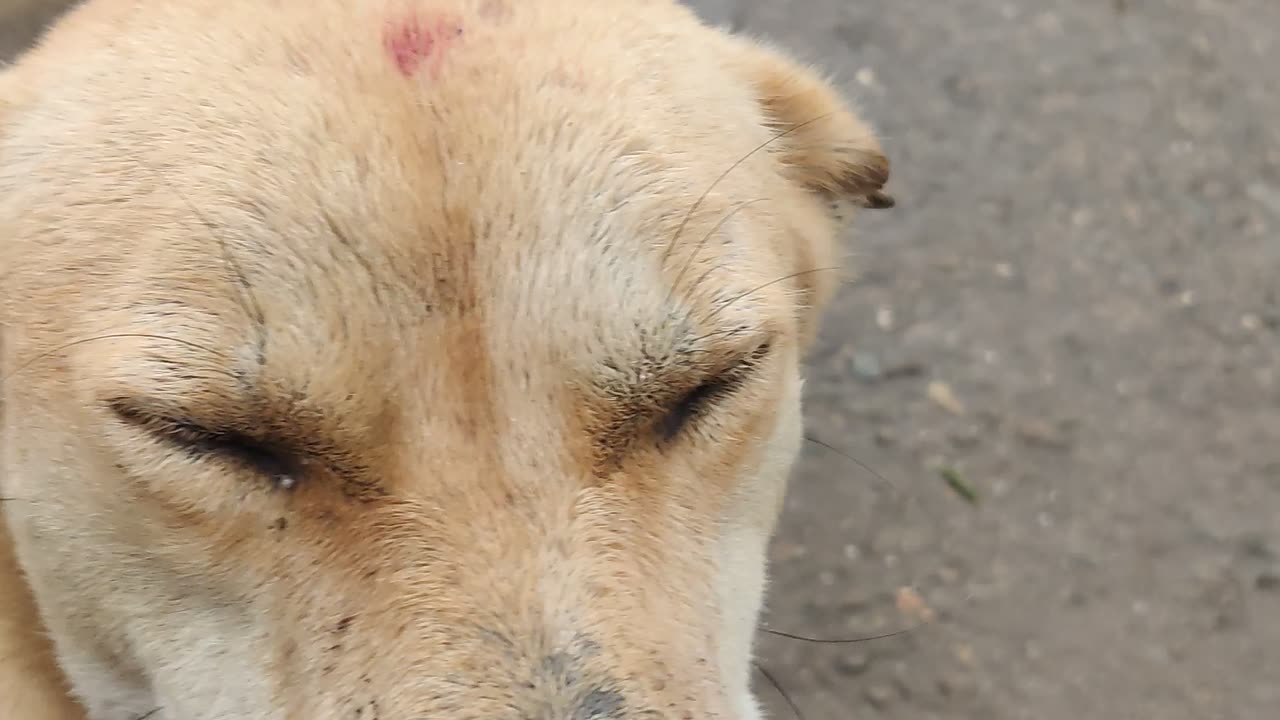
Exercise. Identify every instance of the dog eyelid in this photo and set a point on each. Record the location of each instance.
(201, 441)
(715, 387)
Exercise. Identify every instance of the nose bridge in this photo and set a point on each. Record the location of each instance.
(500, 617)
(546, 593)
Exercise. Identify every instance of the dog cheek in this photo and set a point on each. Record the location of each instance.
(754, 507)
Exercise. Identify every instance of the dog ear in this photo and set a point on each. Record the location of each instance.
(821, 141)
(823, 147)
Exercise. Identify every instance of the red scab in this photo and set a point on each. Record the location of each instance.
(413, 42)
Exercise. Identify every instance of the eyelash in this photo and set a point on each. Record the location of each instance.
(250, 453)
(265, 460)
(694, 404)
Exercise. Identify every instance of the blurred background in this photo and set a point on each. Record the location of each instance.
(1046, 407)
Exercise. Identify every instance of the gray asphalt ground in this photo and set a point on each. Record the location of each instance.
(1074, 315)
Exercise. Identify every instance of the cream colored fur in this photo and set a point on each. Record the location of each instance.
(351, 355)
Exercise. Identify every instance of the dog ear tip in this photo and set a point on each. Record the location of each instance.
(884, 201)
(880, 200)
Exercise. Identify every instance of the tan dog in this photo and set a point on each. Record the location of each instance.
(403, 359)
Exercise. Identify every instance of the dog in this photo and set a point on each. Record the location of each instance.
(402, 359)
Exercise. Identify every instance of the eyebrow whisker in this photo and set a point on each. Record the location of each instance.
(715, 183)
(737, 298)
(693, 256)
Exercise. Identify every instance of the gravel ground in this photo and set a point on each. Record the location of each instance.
(1074, 314)
(1046, 407)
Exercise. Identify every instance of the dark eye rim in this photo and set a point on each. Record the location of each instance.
(197, 440)
(694, 404)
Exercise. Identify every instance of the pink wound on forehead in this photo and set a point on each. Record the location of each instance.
(414, 41)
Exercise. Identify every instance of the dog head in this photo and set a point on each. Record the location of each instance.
(409, 359)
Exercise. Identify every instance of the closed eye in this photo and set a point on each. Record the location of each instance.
(702, 398)
(230, 446)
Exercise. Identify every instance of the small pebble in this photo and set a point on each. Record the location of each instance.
(1038, 433)
(854, 663)
(884, 317)
(880, 696)
(942, 395)
(866, 367)
(965, 655)
(913, 606)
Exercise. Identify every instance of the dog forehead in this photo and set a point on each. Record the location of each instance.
(551, 190)
(584, 185)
